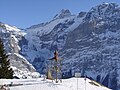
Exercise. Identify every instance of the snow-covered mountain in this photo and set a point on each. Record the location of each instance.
(89, 43)
(44, 38)
(11, 37)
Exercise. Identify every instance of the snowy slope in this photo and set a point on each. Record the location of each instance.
(11, 36)
(67, 84)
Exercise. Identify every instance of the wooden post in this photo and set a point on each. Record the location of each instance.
(57, 66)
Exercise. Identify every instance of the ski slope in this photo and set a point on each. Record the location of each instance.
(40, 84)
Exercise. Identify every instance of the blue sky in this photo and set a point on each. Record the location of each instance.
(24, 13)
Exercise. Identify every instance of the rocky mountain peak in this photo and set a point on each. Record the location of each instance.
(104, 10)
(2, 25)
(63, 13)
(104, 7)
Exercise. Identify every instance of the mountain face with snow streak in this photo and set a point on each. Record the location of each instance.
(11, 37)
(47, 37)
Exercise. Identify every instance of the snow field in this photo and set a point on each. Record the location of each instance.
(40, 84)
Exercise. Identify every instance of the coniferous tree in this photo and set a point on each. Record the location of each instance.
(5, 70)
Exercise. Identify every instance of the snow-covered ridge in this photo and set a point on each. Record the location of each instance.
(13, 29)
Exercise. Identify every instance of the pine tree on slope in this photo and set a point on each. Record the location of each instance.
(5, 70)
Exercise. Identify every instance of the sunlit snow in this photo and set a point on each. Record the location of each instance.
(41, 84)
